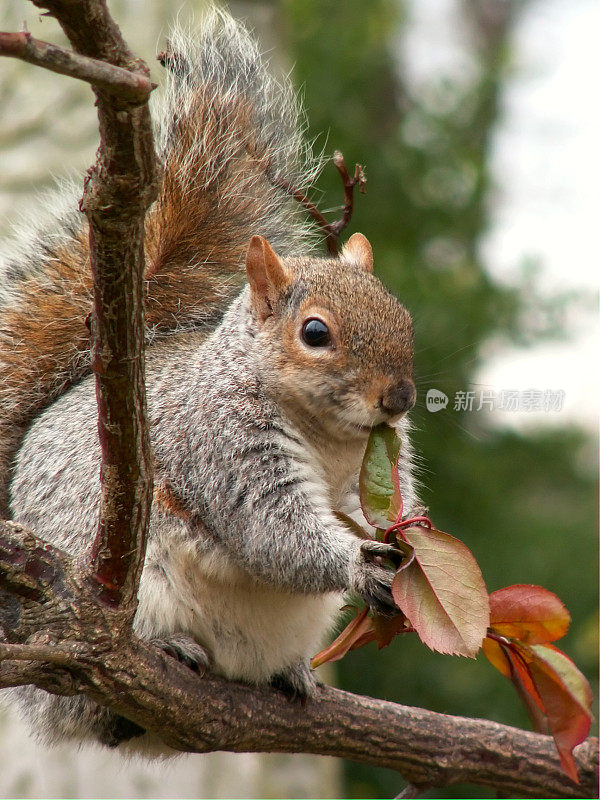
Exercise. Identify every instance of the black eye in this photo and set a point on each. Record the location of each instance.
(315, 333)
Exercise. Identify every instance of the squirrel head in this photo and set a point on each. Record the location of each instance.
(334, 345)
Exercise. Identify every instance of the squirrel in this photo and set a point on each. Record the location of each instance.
(261, 394)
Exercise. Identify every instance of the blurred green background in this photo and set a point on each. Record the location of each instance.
(523, 499)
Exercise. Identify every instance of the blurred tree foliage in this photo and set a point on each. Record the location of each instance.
(524, 503)
(49, 127)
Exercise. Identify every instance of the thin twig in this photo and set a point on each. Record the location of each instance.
(130, 86)
(349, 184)
(332, 230)
(304, 201)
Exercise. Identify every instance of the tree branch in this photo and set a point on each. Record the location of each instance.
(28, 652)
(118, 191)
(130, 86)
(332, 230)
(196, 714)
(349, 183)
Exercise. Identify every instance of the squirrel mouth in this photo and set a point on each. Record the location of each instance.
(364, 429)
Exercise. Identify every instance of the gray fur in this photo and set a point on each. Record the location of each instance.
(249, 561)
(256, 572)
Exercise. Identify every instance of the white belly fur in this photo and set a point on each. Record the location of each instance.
(251, 631)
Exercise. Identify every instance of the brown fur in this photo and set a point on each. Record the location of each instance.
(196, 237)
(168, 501)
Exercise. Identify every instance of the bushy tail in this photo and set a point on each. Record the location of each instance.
(230, 139)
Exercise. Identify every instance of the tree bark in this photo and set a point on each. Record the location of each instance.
(131, 86)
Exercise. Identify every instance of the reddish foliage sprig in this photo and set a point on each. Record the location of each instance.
(400, 524)
(525, 620)
(521, 622)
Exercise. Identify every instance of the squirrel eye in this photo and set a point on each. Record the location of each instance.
(315, 333)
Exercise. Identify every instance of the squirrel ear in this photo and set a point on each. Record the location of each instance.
(358, 250)
(266, 275)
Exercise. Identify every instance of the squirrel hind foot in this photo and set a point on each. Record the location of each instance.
(117, 729)
(186, 650)
(297, 682)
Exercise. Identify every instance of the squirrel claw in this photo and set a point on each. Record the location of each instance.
(186, 650)
(372, 579)
(378, 551)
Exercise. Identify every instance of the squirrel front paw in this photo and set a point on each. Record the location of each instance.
(372, 579)
(186, 650)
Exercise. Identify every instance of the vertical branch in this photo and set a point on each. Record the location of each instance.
(118, 191)
(349, 182)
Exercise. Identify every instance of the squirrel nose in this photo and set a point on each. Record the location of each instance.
(398, 398)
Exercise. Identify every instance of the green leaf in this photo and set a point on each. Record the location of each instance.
(392, 442)
(377, 493)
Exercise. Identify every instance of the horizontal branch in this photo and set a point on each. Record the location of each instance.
(425, 747)
(200, 715)
(44, 653)
(130, 86)
(195, 714)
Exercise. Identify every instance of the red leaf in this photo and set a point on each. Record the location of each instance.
(442, 593)
(531, 614)
(357, 633)
(512, 662)
(567, 699)
(523, 680)
(386, 628)
(496, 656)
(542, 673)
